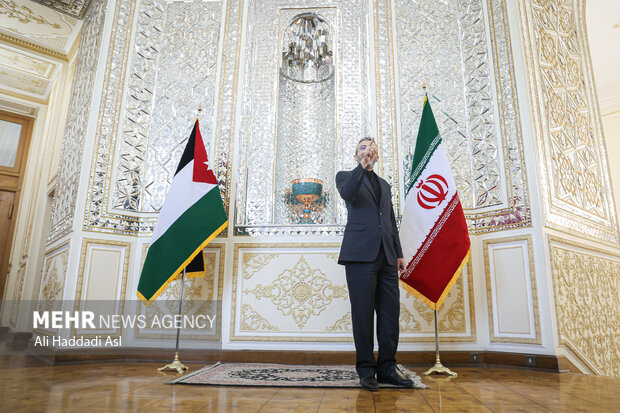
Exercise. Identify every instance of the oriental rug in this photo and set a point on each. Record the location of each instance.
(283, 375)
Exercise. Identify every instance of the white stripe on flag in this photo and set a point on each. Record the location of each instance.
(183, 193)
(418, 222)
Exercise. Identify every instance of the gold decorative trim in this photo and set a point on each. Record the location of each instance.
(78, 288)
(220, 288)
(567, 242)
(534, 290)
(574, 350)
(391, 110)
(343, 322)
(527, 222)
(56, 248)
(220, 117)
(34, 47)
(274, 338)
(23, 96)
(256, 320)
(114, 100)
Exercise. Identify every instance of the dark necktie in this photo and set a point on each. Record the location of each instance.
(374, 181)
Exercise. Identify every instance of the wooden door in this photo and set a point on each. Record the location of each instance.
(15, 133)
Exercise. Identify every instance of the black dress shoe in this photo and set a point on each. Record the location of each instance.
(369, 383)
(395, 379)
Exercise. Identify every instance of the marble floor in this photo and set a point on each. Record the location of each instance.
(28, 386)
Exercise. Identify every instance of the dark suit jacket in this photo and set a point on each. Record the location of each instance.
(368, 224)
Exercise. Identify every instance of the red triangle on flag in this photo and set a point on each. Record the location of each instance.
(202, 168)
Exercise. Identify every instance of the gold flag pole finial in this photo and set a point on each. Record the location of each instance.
(199, 110)
(424, 86)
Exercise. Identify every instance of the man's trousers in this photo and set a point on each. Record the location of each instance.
(373, 286)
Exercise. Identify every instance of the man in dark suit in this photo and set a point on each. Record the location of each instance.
(372, 257)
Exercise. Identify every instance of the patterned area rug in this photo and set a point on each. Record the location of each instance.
(282, 375)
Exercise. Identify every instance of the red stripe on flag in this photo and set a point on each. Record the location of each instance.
(202, 169)
(440, 257)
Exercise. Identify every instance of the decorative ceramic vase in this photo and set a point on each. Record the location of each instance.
(307, 191)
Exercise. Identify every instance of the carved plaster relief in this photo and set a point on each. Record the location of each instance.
(586, 282)
(575, 177)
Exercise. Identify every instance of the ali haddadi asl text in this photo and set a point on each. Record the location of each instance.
(73, 342)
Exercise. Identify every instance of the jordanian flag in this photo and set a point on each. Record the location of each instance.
(433, 231)
(192, 215)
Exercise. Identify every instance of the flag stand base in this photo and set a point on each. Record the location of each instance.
(440, 369)
(175, 365)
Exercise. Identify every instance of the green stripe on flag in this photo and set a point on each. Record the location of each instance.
(427, 141)
(167, 255)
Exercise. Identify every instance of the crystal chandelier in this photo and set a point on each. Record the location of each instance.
(307, 49)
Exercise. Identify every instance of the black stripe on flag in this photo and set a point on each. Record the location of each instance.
(196, 265)
(188, 153)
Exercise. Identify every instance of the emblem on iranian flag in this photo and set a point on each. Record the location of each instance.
(432, 191)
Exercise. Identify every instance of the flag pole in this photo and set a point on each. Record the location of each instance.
(438, 367)
(176, 364)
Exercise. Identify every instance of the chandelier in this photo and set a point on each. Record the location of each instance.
(307, 49)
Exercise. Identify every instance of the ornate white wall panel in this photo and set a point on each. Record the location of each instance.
(172, 73)
(298, 292)
(512, 297)
(471, 86)
(201, 296)
(95, 215)
(131, 173)
(292, 292)
(456, 319)
(63, 205)
(573, 162)
(266, 24)
(444, 44)
(102, 281)
(586, 282)
(54, 273)
(52, 290)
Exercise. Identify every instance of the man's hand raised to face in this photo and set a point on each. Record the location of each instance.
(369, 154)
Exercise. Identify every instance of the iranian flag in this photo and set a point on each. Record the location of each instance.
(192, 215)
(433, 230)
